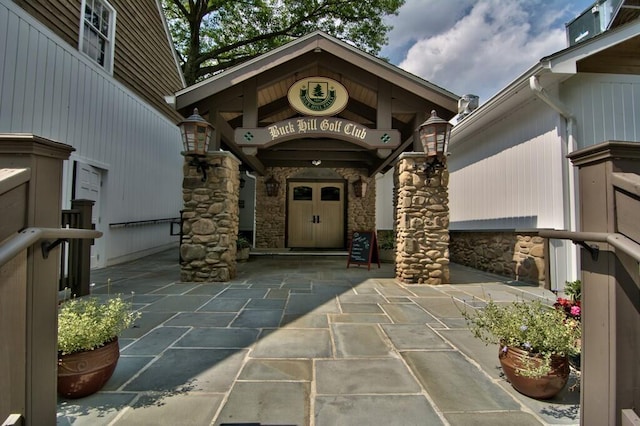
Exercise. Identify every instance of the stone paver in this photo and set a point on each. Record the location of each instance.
(271, 403)
(218, 338)
(294, 343)
(369, 376)
(187, 409)
(306, 341)
(96, 409)
(275, 369)
(156, 341)
(396, 410)
(457, 385)
(407, 314)
(360, 340)
(499, 418)
(183, 370)
(414, 336)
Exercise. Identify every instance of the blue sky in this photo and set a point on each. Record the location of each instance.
(477, 46)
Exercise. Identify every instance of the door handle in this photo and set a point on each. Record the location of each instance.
(314, 219)
(318, 219)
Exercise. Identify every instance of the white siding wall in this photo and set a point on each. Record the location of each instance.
(385, 214)
(606, 107)
(509, 175)
(49, 89)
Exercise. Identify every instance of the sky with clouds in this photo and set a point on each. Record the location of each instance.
(477, 46)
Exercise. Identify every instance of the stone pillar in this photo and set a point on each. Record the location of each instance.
(422, 221)
(210, 226)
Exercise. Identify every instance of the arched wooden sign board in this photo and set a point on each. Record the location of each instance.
(363, 249)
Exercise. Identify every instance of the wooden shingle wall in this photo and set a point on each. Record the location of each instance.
(144, 60)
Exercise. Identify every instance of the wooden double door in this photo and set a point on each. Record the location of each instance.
(316, 212)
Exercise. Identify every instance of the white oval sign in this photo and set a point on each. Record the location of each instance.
(318, 96)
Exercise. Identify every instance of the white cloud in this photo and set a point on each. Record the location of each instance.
(476, 47)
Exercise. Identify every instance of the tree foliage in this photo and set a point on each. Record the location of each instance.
(213, 35)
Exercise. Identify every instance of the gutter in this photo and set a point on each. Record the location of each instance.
(568, 173)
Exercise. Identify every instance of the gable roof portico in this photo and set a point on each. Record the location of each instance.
(253, 118)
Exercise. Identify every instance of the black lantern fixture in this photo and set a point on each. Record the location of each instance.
(434, 135)
(196, 137)
(272, 187)
(360, 187)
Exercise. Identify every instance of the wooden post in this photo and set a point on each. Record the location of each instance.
(82, 248)
(31, 358)
(610, 200)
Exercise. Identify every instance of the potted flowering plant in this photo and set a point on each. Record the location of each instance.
(243, 247)
(572, 308)
(534, 340)
(571, 304)
(88, 348)
(387, 241)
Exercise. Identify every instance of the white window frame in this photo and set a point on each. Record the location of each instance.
(109, 38)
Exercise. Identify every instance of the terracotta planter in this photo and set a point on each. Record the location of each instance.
(242, 255)
(83, 373)
(544, 387)
(387, 255)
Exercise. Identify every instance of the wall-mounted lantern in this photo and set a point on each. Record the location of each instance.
(196, 137)
(243, 182)
(360, 187)
(272, 187)
(434, 135)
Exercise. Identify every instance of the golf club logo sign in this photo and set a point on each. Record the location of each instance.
(318, 96)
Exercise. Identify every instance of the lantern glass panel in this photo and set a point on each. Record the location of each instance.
(428, 137)
(196, 134)
(201, 140)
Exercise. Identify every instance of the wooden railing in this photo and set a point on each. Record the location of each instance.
(75, 258)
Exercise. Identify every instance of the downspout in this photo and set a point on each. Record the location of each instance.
(255, 181)
(568, 174)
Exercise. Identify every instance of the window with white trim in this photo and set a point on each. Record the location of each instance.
(97, 32)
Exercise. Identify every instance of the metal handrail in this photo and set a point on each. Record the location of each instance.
(618, 241)
(143, 222)
(29, 236)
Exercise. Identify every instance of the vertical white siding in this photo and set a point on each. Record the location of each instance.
(606, 107)
(48, 88)
(385, 213)
(509, 175)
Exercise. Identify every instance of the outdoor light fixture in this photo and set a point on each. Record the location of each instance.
(434, 135)
(242, 182)
(272, 187)
(196, 136)
(316, 162)
(360, 187)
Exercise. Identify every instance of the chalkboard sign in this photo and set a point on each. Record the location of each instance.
(363, 249)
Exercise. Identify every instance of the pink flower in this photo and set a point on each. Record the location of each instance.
(575, 310)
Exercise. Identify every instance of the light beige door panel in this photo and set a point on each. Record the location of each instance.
(316, 214)
(330, 216)
(300, 217)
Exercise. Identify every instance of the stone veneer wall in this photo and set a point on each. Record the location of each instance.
(422, 222)
(210, 225)
(515, 255)
(271, 211)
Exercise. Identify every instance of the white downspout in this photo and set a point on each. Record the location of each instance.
(568, 172)
(255, 181)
